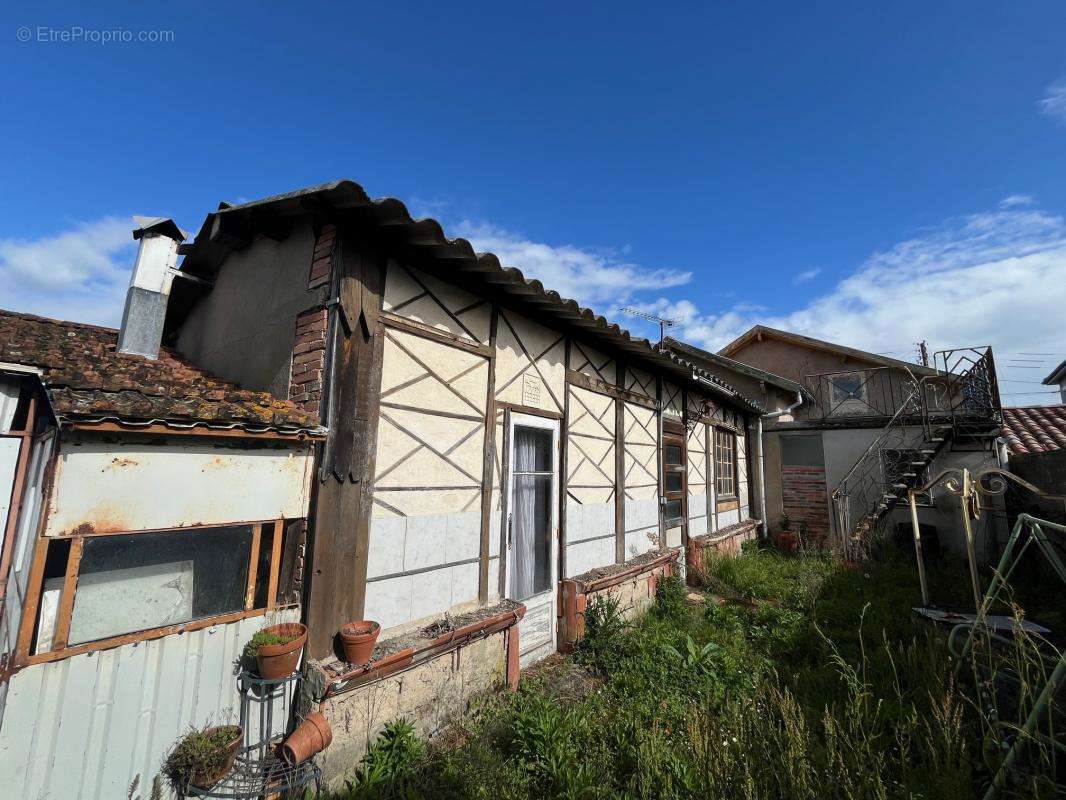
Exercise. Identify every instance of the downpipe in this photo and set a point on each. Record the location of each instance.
(763, 525)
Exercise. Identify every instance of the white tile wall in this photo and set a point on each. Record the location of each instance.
(727, 518)
(638, 542)
(588, 521)
(464, 583)
(583, 556)
(389, 601)
(431, 592)
(426, 537)
(462, 536)
(494, 578)
(642, 513)
(388, 536)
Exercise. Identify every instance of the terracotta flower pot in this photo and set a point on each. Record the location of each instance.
(205, 780)
(311, 736)
(358, 640)
(785, 541)
(280, 660)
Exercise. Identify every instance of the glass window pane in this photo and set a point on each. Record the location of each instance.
(672, 510)
(674, 481)
(532, 522)
(135, 582)
(533, 449)
(672, 454)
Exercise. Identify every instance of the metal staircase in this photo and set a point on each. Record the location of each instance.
(959, 404)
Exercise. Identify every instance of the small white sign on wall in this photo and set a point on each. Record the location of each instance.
(531, 386)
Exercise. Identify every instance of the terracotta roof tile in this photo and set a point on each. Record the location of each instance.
(85, 376)
(1035, 429)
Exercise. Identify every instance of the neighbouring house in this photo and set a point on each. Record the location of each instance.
(154, 519)
(1058, 378)
(840, 463)
(1035, 443)
(476, 458)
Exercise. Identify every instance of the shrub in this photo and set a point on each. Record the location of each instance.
(203, 750)
(388, 764)
(261, 638)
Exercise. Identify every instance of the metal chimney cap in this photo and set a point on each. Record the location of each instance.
(159, 225)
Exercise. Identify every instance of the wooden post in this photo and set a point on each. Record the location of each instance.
(911, 495)
(564, 461)
(489, 451)
(340, 542)
(620, 468)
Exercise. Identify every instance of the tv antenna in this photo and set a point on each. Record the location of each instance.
(663, 322)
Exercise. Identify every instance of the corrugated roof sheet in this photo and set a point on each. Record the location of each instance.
(455, 258)
(1035, 429)
(87, 378)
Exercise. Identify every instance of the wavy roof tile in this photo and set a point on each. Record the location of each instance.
(1035, 429)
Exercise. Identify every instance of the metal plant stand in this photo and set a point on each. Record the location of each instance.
(257, 770)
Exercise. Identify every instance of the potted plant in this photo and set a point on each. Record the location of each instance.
(203, 757)
(276, 649)
(311, 736)
(358, 640)
(785, 539)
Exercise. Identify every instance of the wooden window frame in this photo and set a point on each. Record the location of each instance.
(61, 650)
(722, 464)
(676, 440)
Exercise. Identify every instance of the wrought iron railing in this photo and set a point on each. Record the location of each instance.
(961, 398)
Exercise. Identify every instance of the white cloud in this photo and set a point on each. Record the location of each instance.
(997, 277)
(1053, 103)
(807, 275)
(79, 274)
(1017, 200)
(594, 278)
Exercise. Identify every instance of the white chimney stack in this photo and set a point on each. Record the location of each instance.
(146, 298)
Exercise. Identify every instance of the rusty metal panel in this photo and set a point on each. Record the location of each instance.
(108, 486)
(86, 726)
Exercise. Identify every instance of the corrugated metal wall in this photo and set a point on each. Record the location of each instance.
(84, 727)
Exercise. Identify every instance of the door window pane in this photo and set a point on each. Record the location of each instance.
(134, 582)
(532, 534)
(672, 454)
(672, 510)
(673, 481)
(532, 515)
(533, 450)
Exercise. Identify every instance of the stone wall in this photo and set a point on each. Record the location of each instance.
(431, 694)
(632, 584)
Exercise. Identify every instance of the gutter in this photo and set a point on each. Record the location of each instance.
(763, 525)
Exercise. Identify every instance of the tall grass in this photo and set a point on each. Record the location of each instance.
(808, 681)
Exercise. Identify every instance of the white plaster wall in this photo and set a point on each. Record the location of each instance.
(421, 297)
(593, 363)
(530, 363)
(166, 483)
(641, 485)
(85, 727)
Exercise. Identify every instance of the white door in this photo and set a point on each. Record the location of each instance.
(533, 531)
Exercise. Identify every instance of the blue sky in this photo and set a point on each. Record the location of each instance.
(874, 176)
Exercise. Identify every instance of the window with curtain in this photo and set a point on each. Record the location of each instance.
(531, 518)
(725, 463)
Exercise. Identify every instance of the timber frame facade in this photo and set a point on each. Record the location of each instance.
(427, 355)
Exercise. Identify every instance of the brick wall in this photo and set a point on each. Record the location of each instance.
(309, 338)
(804, 499)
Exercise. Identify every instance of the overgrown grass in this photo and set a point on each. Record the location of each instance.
(794, 678)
